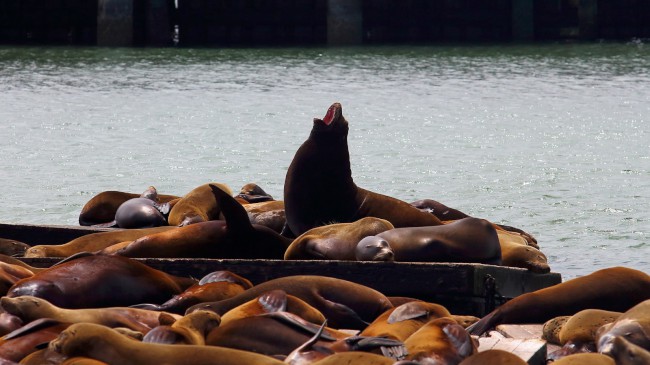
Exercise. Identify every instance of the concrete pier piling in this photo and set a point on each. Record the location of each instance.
(225, 23)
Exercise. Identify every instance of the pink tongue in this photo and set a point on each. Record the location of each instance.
(329, 117)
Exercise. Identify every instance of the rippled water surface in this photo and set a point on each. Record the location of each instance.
(553, 139)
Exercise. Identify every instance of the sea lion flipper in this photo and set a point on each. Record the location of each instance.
(407, 311)
(235, 215)
(30, 327)
(148, 306)
(74, 257)
(273, 301)
(389, 347)
(349, 311)
(298, 322)
(111, 224)
(483, 325)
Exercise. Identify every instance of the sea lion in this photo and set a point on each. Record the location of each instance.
(345, 304)
(582, 326)
(10, 274)
(215, 286)
(92, 242)
(253, 193)
(93, 281)
(78, 360)
(11, 247)
(633, 325)
(442, 341)
(614, 289)
(18, 344)
(551, 329)
(465, 240)
(585, 359)
(319, 189)
(275, 301)
(355, 357)
(269, 213)
(107, 345)
(233, 238)
(191, 329)
(199, 205)
(9, 322)
(400, 322)
(102, 207)
(29, 308)
(493, 357)
(336, 241)
(42, 357)
(515, 252)
(625, 352)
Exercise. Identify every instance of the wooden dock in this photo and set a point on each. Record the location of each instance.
(224, 23)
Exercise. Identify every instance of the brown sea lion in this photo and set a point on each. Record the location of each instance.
(268, 213)
(92, 242)
(582, 326)
(614, 289)
(9, 322)
(199, 205)
(625, 352)
(10, 274)
(585, 359)
(215, 286)
(465, 240)
(494, 357)
(319, 189)
(441, 341)
(275, 301)
(78, 360)
(515, 252)
(191, 329)
(93, 281)
(336, 241)
(29, 308)
(107, 345)
(11, 247)
(551, 329)
(42, 357)
(355, 357)
(345, 304)
(400, 322)
(633, 325)
(23, 341)
(233, 238)
(252, 193)
(101, 209)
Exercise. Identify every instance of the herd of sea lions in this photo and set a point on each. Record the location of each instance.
(99, 305)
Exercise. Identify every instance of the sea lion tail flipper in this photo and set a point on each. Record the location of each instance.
(235, 215)
(111, 224)
(30, 327)
(148, 306)
(347, 311)
(483, 325)
(390, 348)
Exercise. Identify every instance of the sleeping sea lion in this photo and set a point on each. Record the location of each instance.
(633, 325)
(107, 345)
(233, 238)
(625, 352)
(102, 207)
(441, 341)
(199, 205)
(345, 304)
(269, 213)
(252, 193)
(465, 240)
(515, 252)
(585, 359)
(336, 241)
(191, 329)
(614, 289)
(11, 247)
(92, 242)
(318, 188)
(29, 308)
(93, 281)
(400, 322)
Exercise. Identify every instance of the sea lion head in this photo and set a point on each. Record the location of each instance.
(333, 121)
(373, 248)
(631, 330)
(625, 352)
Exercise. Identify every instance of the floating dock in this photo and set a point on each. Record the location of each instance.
(229, 23)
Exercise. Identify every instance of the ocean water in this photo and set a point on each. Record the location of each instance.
(552, 138)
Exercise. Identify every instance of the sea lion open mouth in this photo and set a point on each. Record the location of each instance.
(334, 112)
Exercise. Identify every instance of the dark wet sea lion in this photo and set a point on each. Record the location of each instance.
(218, 285)
(104, 344)
(102, 207)
(234, 238)
(465, 240)
(23, 341)
(345, 304)
(319, 188)
(614, 289)
(11, 247)
(92, 242)
(100, 281)
(440, 341)
(253, 193)
(30, 308)
(336, 241)
(199, 205)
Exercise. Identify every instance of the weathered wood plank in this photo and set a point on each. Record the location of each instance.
(521, 331)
